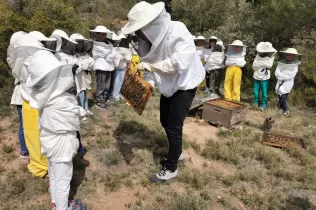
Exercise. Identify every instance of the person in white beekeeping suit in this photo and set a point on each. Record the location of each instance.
(169, 58)
(49, 79)
(49, 43)
(207, 52)
(285, 72)
(200, 41)
(261, 76)
(21, 50)
(214, 65)
(65, 52)
(104, 57)
(124, 57)
(16, 98)
(83, 74)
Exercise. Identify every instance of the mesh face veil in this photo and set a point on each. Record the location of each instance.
(67, 47)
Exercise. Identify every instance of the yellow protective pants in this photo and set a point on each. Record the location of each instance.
(38, 165)
(232, 83)
(202, 85)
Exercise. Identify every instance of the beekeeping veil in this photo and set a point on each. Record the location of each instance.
(292, 52)
(48, 78)
(49, 43)
(64, 43)
(236, 43)
(95, 33)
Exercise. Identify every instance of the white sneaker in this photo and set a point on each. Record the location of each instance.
(181, 158)
(84, 119)
(163, 175)
(213, 95)
(207, 90)
(89, 113)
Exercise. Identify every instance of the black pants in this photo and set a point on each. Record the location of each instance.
(207, 79)
(103, 85)
(112, 82)
(283, 102)
(173, 111)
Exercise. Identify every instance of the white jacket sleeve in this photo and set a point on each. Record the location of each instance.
(182, 49)
(288, 75)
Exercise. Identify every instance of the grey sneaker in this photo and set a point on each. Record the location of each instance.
(163, 175)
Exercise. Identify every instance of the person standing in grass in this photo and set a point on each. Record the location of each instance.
(170, 61)
(16, 98)
(59, 121)
(261, 76)
(207, 52)
(21, 51)
(235, 60)
(287, 68)
(214, 66)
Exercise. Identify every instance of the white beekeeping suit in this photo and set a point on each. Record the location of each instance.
(215, 60)
(200, 50)
(59, 119)
(234, 58)
(16, 98)
(66, 47)
(20, 51)
(174, 53)
(49, 43)
(83, 51)
(263, 61)
(285, 72)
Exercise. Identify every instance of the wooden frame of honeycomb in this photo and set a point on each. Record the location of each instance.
(278, 140)
(136, 91)
(225, 104)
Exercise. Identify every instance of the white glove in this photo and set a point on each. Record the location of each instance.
(144, 66)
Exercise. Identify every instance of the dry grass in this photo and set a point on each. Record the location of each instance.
(124, 148)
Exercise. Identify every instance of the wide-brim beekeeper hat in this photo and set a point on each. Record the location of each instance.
(237, 43)
(200, 38)
(101, 29)
(77, 36)
(62, 34)
(265, 47)
(142, 14)
(40, 66)
(292, 51)
(213, 38)
(41, 37)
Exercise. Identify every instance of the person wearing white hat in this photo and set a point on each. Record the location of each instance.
(83, 73)
(21, 50)
(214, 64)
(235, 60)
(49, 79)
(200, 41)
(285, 72)
(49, 43)
(169, 57)
(104, 57)
(261, 66)
(207, 52)
(123, 61)
(16, 98)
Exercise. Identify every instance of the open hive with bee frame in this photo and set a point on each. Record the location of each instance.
(224, 113)
(282, 141)
(136, 91)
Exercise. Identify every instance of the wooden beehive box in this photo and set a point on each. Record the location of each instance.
(224, 113)
(136, 91)
(278, 140)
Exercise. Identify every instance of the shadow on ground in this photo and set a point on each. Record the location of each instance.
(298, 203)
(79, 175)
(131, 135)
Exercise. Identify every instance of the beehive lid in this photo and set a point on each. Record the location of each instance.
(226, 104)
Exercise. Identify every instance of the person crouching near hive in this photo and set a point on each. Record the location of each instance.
(59, 120)
(285, 72)
(235, 60)
(261, 76)
(169, 57)
(83, 73)
(22, 50)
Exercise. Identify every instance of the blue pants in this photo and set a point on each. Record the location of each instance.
(119, 78)
(83, 100)
(21, 130)
(283, 102)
